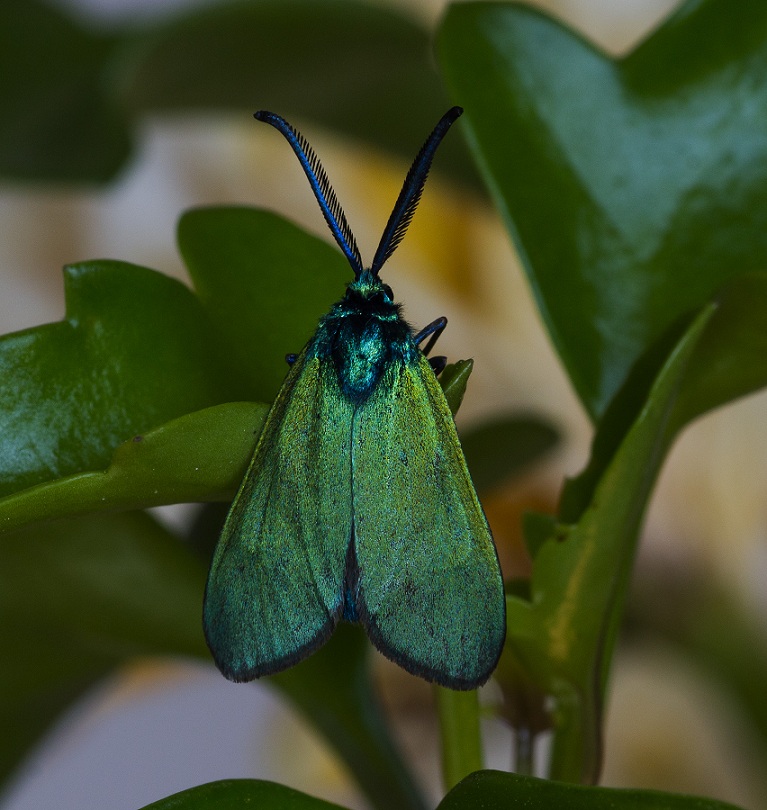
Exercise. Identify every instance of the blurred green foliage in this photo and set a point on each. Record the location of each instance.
(635, 192)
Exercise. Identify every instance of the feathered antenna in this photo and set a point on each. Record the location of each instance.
(410, 195)
(323, 191)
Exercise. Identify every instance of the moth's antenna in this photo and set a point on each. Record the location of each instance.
(323, 191)
(410, 195)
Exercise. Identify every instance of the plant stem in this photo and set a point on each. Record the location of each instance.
(523, 751)
(460, 733)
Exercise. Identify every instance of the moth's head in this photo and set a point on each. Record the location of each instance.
(368, 289)
(366, 286)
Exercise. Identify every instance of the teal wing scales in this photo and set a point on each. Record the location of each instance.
(429, 587)
(275, 587)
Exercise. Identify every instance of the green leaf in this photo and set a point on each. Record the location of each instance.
(134, 351)
(564, 635)
(494, 790)
(264, 282)
(58, 122)
(199, 457)
(505, 446)
(634, 187)
(76, 599)
(730, 360)
(71, 96)
(359, 69)
(234, 794)
(453, 380)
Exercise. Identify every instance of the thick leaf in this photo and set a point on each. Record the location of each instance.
(494, 790)
(234, 794)
(730, 360)
(134, 351)
(57, 122)
(76, 599)
(199, 457)
(264, 282)
(635, 187)
(563, 636)
(503, 447)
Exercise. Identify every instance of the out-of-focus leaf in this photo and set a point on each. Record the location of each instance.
(76, 599)
(198, 457)
(70, 96)
(634, 188)
(503, 447)
(234, 794)
(58, 122)
(264, 282)
(495, 790)
(357, 68)
(134, 351)
(333, 689)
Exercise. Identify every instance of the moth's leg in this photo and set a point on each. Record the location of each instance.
(434, 329)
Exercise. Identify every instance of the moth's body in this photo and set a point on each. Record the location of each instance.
(358, 503)
(362, 334)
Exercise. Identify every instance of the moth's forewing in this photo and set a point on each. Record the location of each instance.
(275, 587)
(430, 589)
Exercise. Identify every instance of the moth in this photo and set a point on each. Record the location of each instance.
(358, 504)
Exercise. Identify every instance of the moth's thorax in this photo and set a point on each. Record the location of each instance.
(363, 334)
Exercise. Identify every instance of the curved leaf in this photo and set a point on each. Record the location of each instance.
(494, 790)
(199, 457)
(135, 350)
(264, 282)
(233, 794)
(635, 187)
(565, 633)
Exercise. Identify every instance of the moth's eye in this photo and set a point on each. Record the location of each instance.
(388, 292)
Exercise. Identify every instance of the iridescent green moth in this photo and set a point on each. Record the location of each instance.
(358, 504)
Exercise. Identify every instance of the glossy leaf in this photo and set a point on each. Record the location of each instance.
(76, 599)
(634, 187)
(264, 282)
(199, 457)
(134, 351)
(564, 634)
(58, 123)
(494, 790)
(234, 794)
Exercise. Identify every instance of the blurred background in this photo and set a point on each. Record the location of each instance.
(160, 727)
